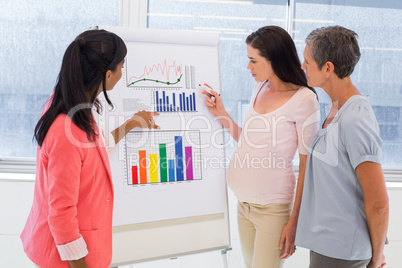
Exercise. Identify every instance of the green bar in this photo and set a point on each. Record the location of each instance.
(163, 162)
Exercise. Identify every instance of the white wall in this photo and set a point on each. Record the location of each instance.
(15, 201)
(16, 198)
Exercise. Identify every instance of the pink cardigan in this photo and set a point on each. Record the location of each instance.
(73, 198)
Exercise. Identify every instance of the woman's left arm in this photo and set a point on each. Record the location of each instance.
(376, 208)
(289, 231)
(307, 119)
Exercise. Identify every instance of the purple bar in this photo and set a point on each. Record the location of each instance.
(189, 162)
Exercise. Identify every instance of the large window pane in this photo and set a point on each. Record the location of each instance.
(34, 36)
(377, 75)
(234, 21)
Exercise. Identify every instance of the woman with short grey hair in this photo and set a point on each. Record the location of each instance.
(344, 211)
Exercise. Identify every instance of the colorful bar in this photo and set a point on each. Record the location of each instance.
(171, 170)
(191, 103)
(163, 162)
(189, 163)
(134, 174)
(187, 106)
(153, 167)
(179, 158)
(143, 166)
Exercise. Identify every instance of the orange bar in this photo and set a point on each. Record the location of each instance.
(143, 166)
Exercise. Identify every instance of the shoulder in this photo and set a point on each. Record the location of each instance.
(358, 110)
(258, 85)
(306, 93)
(63, 132)
(63, 125)
(358, 120)
(256, 89)
(306, 100)
(359, 130)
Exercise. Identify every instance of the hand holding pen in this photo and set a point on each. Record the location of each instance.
(213, 100)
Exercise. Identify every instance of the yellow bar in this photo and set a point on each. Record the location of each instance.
(153, 167)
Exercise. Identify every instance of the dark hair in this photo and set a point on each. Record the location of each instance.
(337, 45)
(276, 45)
(84, 67)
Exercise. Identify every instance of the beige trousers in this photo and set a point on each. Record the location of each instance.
(260, 229)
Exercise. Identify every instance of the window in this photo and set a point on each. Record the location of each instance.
(32, 48)
(234, 21)
(35, 35)
(378, 24)
(377, 75)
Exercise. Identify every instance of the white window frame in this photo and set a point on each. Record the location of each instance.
(134, 14)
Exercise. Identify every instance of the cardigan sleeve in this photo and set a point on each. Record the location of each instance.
(74, 250)
(65, 148)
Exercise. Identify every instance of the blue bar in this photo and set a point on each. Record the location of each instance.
(167, 103)
(191, 103)
(164, 104)
(194, 102)
(179, 158)
(184, 101)
(174, 101)
(187, 109)
(171, 170)
(160, 105)
(181, 103)
(171, 108)
(157, 100)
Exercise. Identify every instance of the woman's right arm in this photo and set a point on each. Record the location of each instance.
(217, 108)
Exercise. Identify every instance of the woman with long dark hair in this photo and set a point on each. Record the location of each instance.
(282, 118)
(70, 223)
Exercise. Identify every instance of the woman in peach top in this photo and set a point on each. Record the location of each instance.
(70, 222)
(283, 117)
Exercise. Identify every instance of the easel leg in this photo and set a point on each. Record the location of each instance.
(225, 257)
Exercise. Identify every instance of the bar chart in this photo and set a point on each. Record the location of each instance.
(171, 101)
(162, 156)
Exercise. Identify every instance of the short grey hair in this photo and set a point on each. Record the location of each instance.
(337, 45)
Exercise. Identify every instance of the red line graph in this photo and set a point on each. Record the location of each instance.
(163, 69)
